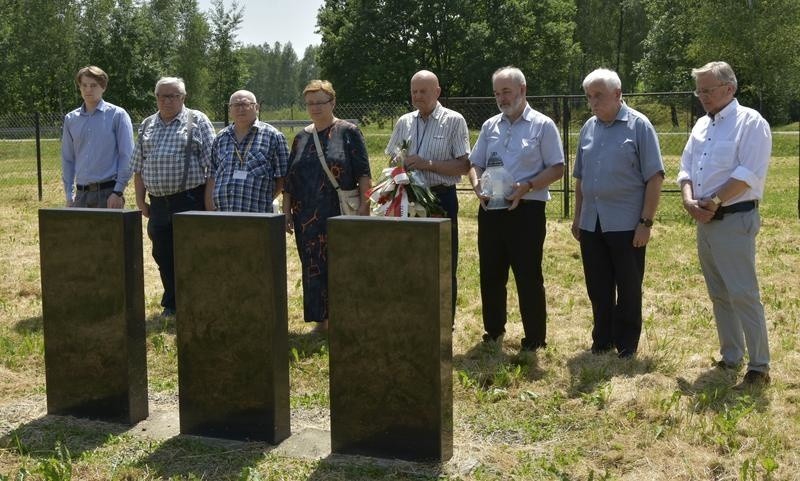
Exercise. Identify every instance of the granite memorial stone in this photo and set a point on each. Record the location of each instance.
(390, 337)
(232, 325)
(93, 313)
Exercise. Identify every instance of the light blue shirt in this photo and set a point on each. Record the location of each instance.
(527, 147)
(96, 147)
(614, 163)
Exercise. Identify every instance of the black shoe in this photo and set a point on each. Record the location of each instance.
(487, 338)
(726, 366)
(601, 350)
(168, 312)
(754, 379)
(526, 346)
(626, 354)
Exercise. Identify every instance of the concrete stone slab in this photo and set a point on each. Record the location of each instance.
(390, 337)
(93, 313)
(232, 325)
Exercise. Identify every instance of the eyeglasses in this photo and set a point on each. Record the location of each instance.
(242, 105)
(314, 104)
(170, 97)
(708, 91)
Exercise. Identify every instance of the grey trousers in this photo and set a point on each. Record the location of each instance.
(727, 252)
(96, 199)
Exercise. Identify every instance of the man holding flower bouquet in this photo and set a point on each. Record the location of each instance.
(529, 146)
(437, 140)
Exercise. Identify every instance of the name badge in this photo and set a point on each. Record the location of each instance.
(239, 174)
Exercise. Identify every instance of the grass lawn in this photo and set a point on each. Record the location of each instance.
(562, 414)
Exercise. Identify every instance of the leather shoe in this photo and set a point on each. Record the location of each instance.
(487, 338)
(754, 379)
(168, 312)
(726, 366)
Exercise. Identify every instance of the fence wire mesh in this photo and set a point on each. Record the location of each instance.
(30, 144)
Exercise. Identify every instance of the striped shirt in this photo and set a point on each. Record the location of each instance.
(160, 152)
(443, 136)
(260, 158)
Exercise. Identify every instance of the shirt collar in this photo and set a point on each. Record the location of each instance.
(527, 114)
(181, 117)
(437, 111)
(727, 110)
(101, 106)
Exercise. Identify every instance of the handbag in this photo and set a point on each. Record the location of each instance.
(349, 200)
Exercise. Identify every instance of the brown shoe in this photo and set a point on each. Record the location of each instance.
(726, 366)
(754, 379)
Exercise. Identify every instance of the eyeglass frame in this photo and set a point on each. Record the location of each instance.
(242, 105)
(318, 104)
(708, 91)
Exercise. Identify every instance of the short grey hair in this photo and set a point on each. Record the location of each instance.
(720, 70)
(513, 73)
(176, 81)
(608, 77)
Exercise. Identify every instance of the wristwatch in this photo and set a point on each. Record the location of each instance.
(117, 193)
(646, 222)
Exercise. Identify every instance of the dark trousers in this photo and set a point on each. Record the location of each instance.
(159, 229)
(513, 238)
(614, 271)
(448, 200)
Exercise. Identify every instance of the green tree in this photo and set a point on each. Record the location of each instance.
(191, 52)
(371, 48)
(225, 59)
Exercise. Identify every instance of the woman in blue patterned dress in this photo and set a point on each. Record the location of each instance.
(309, 198)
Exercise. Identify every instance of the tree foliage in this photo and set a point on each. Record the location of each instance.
(370, 49)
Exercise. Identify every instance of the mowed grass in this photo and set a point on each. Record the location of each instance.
(560, 414)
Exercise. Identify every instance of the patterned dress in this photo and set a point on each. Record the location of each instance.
(314, 200)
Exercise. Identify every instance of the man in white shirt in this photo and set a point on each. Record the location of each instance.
(438, 141)
(723, 169)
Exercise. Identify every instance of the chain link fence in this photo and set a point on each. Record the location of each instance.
(30, 144)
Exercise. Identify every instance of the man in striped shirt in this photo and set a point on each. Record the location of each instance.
(438, 147)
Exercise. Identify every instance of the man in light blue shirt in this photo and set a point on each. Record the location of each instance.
(618, 176)
(530, 147)
(96, 146)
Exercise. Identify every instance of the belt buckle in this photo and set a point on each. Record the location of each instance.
(93, 187)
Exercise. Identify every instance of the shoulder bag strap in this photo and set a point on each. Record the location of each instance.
(322, 159)
(188, 153)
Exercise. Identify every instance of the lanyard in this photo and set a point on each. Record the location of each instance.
(420, 138)
(246, 150)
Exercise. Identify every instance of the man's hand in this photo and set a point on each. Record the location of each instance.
(520, 189)
(144, 207)
(363, 209)
(415, 162)
(699, 210)
(115, 201)
(641, 235)
(478, 193)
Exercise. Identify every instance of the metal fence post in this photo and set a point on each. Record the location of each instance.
(37, 123)
(565, 120)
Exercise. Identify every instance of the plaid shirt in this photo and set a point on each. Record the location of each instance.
(160, 152)
(264, 158)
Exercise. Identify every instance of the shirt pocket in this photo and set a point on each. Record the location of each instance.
(723, 154)
(257, 164)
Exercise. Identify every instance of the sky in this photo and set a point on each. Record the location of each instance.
(273, 21)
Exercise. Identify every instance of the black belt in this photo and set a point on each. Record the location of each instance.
(442, 188)
(176, 195)
(96, 186)
(745, 206)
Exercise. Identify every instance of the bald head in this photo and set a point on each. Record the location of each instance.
(425, 92)
(240, 95)
(243, 108)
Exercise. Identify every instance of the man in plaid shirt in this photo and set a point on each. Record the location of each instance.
(170, 163)
(248, 161)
